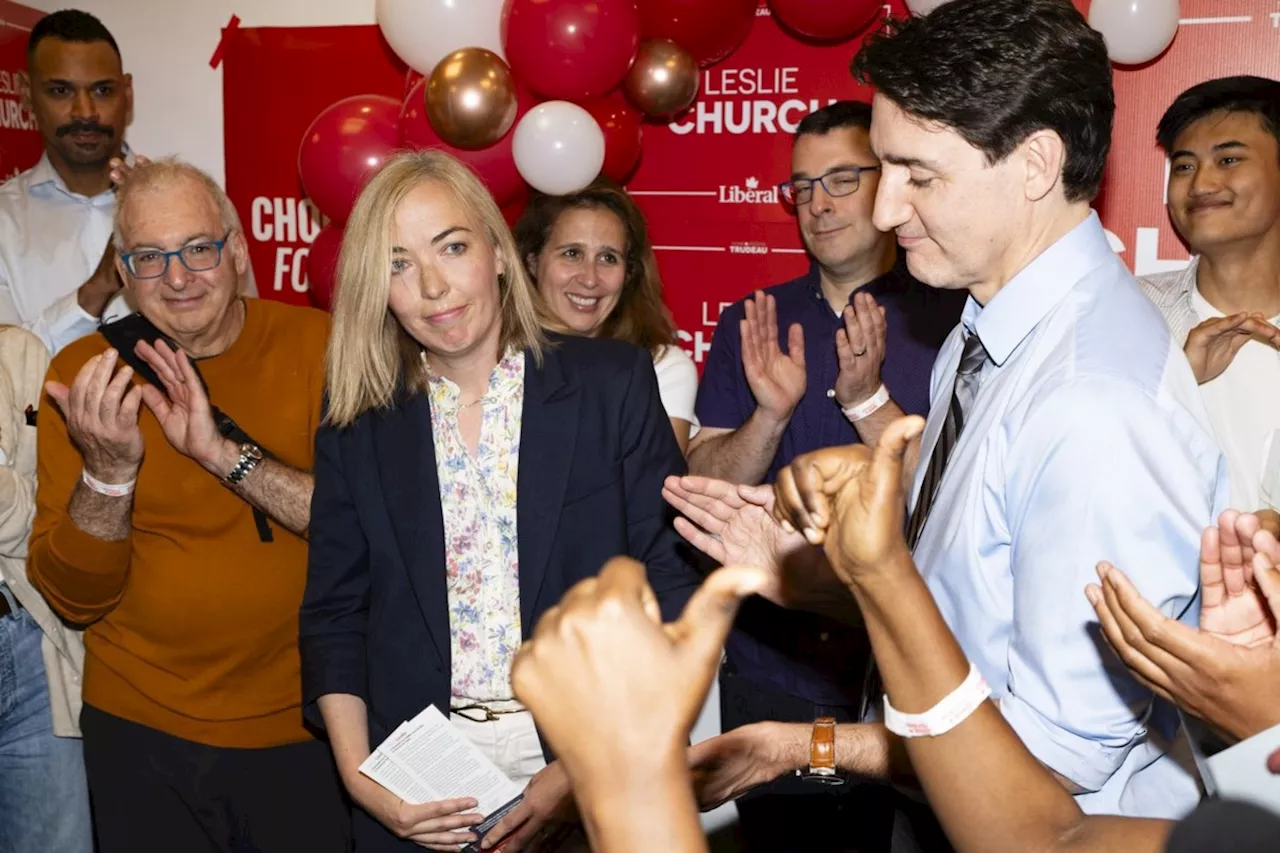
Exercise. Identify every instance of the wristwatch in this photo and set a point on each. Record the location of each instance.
(822, 753)
(250, 456)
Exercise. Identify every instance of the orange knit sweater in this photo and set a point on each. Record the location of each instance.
(192, 621)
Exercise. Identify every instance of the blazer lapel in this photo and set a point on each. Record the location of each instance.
(411, 492)
(548, 431)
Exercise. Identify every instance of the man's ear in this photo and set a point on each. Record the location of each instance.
(127, 83)
(1045, 155)
(240, 251)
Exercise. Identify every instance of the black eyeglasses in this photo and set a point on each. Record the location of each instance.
(836, 183)
(153, 263)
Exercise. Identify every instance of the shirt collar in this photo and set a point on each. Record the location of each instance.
(1186, 279)
(1022, 303)
(812, 280)
(45, 178)
(506, 382)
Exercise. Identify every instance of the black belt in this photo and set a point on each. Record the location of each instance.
(5, 609)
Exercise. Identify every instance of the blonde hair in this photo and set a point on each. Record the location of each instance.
(370, 355)
(167, 170)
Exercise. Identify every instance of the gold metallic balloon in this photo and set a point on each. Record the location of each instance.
(471, 98)
(663, 80)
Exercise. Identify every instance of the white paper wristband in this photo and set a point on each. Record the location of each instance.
(111, 490)
(951, 710)
(868, 407)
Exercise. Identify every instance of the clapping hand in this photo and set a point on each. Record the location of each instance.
(101, 408)
(1212, 345)
(777, 379)
(183, 409)
(1227, 673)
(860, 348)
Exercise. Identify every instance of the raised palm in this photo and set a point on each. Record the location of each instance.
(777, 379)
(1232, 605)
(733, 525)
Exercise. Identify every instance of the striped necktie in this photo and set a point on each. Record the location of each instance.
(964, 390)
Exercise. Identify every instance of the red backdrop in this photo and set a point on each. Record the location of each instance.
(707, 181)
(19, 140)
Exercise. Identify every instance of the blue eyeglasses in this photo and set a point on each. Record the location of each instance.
(153, 263)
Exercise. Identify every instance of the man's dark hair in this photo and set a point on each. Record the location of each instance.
(996, 71)
(835, 116)
(1244, 94)
(69, 25)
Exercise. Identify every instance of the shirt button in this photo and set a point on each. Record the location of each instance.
(824, 636)
(831, 392)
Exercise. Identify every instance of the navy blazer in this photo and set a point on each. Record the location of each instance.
(595, 447)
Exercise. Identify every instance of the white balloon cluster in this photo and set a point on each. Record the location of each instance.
(558, 146)
(423, 32)
(1136, 31)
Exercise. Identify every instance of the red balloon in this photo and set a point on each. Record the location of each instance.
(621, 124)
(708, 29)
(826, 20)
(343, 147)
(570, 49)
(495, 165)
(322, 266)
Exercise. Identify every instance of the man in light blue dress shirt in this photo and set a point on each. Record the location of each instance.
(1085, 439)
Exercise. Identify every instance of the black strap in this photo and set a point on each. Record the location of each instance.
(124, 335)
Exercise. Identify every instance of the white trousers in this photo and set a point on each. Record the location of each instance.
(510, 741)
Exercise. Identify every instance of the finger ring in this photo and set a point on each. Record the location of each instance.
(857, 354)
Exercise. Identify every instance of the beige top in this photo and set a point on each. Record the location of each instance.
(23, 362)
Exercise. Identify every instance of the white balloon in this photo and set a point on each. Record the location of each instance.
(423, 32)
(923, 7)
(558, 147)
(1136, 31)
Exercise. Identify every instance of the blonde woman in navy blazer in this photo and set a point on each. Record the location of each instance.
(552, 450)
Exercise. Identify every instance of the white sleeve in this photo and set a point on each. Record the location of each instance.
(58, 325)
(63, 322)
(677, 384)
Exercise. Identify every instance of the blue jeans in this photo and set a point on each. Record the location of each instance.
(44, 798)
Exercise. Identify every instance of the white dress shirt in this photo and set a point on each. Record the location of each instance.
(1244, 420)
(51, 241)
(1087, 441)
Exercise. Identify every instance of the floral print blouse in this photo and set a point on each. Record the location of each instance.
(478, 500)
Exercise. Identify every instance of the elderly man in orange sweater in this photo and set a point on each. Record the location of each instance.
(180, 543)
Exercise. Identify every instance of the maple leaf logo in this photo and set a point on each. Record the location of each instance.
(752, 183)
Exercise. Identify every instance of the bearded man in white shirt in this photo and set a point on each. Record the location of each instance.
(57, 270)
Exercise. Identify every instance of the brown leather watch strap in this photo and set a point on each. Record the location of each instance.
(822, 747)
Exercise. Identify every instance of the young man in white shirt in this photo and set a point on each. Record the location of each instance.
(1223, 142)
(57, 271)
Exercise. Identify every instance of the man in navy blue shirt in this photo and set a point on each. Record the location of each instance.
(830, 358)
